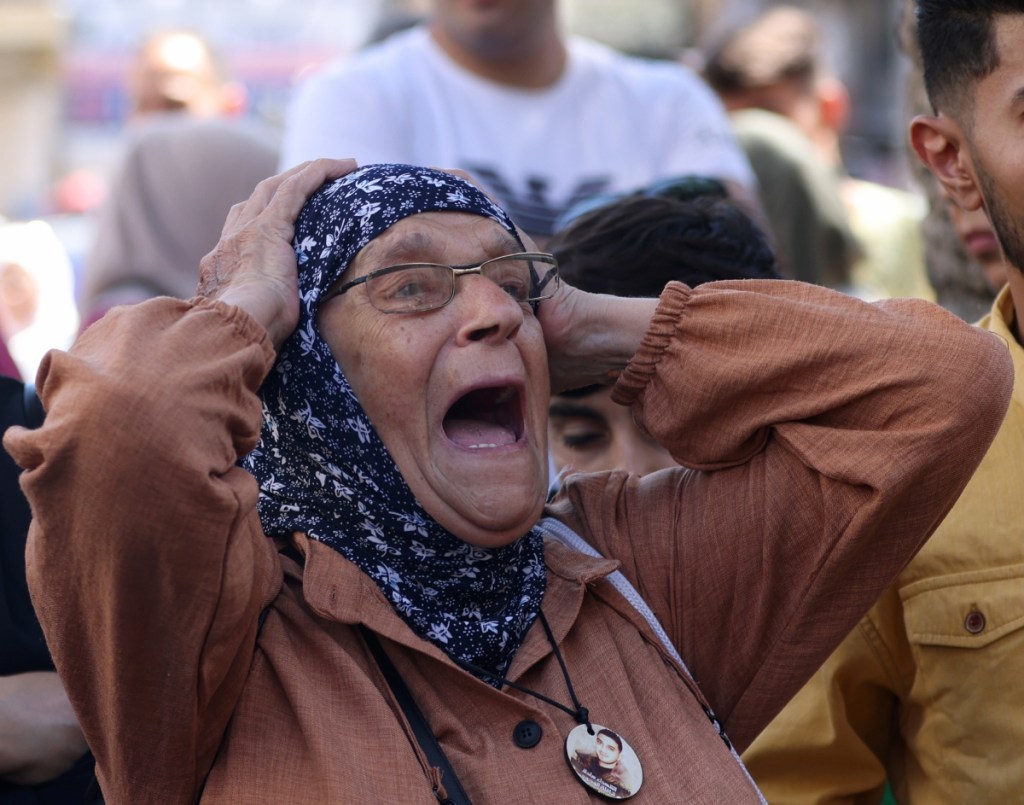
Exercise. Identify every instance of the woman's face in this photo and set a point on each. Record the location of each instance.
(458, 395)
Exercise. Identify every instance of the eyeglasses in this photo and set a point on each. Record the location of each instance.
(419, 287)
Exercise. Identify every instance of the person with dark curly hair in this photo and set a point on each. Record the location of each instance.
(634, 247)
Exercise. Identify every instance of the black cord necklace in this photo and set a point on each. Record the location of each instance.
(598, 756)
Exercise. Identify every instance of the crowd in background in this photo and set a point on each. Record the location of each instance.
(827, 225)
(723, 163)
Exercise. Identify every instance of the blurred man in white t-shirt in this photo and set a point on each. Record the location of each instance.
(540, 119)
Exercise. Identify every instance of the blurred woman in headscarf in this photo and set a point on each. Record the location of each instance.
(37, 294)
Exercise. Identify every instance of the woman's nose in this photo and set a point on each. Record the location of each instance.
(486, 311)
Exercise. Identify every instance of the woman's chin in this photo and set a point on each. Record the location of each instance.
(495, 514)
(487, 496)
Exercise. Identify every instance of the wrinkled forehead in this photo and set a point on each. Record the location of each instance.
(346, 215)
(446, 237)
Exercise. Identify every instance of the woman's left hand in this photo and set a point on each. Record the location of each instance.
(591, 337)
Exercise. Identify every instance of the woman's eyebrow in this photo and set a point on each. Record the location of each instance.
(402, 249)
(412, 246)
(497, 245)
(506, 244)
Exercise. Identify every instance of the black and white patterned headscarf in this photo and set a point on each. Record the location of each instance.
(323, 469)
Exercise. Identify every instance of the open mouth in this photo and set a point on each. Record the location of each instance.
(485, 418)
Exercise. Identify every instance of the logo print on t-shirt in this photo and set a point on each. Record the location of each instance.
(533, 211)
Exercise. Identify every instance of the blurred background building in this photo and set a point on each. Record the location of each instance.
(63, 101)
(33, 38)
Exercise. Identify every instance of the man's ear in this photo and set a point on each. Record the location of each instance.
(940, 144)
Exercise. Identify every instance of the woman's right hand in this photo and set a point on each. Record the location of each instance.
(253, 265)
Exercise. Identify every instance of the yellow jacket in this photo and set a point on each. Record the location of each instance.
(926, 689)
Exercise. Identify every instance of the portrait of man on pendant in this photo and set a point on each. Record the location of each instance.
(604, 762)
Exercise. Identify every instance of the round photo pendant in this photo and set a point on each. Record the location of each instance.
(603, 761)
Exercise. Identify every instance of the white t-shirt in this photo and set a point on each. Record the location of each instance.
(611, 123)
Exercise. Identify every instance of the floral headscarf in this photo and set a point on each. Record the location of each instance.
(323, 469)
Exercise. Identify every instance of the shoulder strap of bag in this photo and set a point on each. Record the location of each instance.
(34, 413)
(562, 533)
(456, 794)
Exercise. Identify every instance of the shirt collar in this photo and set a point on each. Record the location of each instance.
(337, 590)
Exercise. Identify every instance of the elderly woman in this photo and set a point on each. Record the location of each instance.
(417, 624)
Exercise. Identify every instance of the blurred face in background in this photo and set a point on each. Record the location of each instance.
(587, 432)
(176, 71)
(19, 298)
(493, 29)
(819, 107)
(980, 242)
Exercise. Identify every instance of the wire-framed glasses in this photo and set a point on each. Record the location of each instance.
(417, 287)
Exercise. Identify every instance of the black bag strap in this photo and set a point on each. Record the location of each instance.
(34, 413)
(420, 726)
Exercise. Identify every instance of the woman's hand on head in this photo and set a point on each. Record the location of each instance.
(591, 337)
(254, 266)
(560, 318)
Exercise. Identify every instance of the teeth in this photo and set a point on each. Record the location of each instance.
(481, 446)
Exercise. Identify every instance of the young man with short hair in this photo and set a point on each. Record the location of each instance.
(924, 692)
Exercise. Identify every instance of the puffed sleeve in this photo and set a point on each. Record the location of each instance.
(146, 561)
(823, 439)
